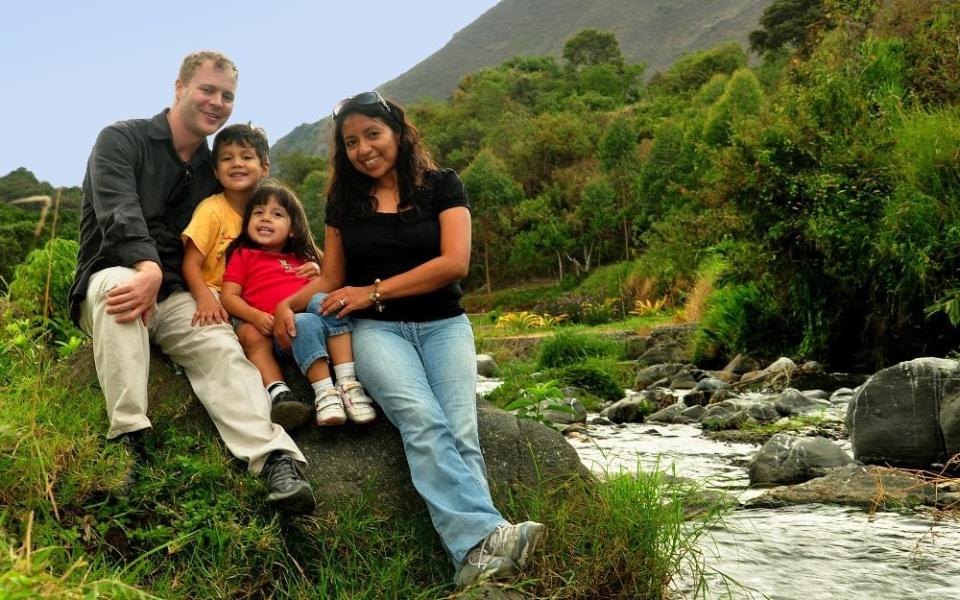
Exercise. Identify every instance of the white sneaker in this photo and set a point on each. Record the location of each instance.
(358, 404)
(329, 408)
(515, 542)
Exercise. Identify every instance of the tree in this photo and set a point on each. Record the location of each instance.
(692, 71)
(592, 47)
(618, 158)
(312, 193)
(293, 168)
(786, 23)
(493, 193)
(742, 97)
(597, 218)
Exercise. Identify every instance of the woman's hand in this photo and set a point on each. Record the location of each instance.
(344, 301)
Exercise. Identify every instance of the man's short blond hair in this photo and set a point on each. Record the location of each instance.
(193, 61)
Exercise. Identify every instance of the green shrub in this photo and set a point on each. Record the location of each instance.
(568, 348)
(932, 59)
(29, 292)
(593, 377)
(739, 319)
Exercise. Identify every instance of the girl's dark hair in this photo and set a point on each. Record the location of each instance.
(347, 185)
(300, 244)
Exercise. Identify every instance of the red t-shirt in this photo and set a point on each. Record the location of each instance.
(266, 278)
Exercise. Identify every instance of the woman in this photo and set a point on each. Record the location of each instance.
(397, 243)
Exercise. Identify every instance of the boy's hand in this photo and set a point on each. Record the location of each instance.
(284, 327)
(209, 312)
(310, 270)
(264, 323)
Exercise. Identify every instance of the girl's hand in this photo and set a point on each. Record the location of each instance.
(344, 301)
(310, 270)
(264, 323)
(284, 326)
(209, 312)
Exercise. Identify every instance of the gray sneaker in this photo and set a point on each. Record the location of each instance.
(480, 566)
(516, 542)
(289, 412)
(290, 492)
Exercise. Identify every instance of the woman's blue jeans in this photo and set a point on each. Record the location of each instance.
(313, 329)
(424, 377)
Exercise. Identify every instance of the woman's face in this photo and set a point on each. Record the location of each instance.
(371, 145)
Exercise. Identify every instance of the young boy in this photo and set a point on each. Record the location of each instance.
(241, 160)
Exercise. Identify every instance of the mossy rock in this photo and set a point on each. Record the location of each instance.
(348, 461)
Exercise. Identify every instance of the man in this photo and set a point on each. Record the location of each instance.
(143, 180)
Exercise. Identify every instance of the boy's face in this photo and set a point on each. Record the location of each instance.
(238, 168)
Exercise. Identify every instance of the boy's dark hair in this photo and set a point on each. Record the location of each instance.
(300, 243)
(244, 134)
(347, 185)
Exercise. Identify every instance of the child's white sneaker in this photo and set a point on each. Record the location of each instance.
(358, 404)
(329, 408)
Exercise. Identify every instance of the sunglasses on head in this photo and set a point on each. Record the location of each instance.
(364, 99)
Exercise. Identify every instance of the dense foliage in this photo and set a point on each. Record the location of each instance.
(825, 182)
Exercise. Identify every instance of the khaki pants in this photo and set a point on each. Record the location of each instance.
(228, 386)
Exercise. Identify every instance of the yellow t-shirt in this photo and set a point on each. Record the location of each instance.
(214, 225)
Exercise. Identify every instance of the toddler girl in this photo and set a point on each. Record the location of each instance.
(261, 271)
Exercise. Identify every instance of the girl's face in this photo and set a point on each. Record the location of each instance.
(371, 145)
(269, 226)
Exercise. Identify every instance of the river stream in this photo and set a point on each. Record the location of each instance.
(795, 553)
(803, 552)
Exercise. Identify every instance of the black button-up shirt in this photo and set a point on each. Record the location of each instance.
(138, 196)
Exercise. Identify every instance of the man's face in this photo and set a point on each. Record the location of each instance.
(204, 103)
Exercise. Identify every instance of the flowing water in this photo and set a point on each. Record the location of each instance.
(797, 553)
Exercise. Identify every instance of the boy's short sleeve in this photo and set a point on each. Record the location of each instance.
(204, 228)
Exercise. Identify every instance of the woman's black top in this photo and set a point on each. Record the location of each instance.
(381, 245)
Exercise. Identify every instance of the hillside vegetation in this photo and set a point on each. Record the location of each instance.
(806, 206)
(653, 32)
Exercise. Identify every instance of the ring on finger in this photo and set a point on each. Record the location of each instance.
(342, 303)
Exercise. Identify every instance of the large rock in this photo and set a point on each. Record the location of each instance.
(647, 376)
(868, 487)
(894, 418)
(486, 366)
(350, 460)
(786, 459)
(792, 402)
(631, 409)
(671, 343)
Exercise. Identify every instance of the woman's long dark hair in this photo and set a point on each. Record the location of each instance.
(300, 244)
(347, 185)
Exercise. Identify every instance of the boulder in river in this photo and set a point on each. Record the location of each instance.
(904, 415)
(787, 459)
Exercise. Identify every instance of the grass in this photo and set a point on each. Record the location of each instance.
(196, 525)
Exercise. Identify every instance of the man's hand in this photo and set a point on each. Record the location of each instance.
(138, 296)
(284, 326)
(209, 311)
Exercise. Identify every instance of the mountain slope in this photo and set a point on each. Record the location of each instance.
(655, 32)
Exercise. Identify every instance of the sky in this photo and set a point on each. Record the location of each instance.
(69, 68)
